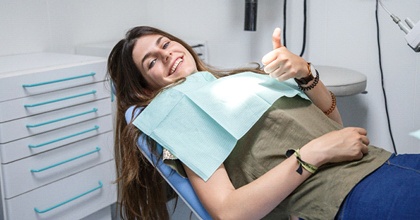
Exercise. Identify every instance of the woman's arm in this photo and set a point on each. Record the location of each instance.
(252, 201)
(260, 197)
(323, 99)
(281, 64)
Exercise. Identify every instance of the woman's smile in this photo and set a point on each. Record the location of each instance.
(175, 65)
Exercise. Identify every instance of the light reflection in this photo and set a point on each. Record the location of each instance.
(233, 91)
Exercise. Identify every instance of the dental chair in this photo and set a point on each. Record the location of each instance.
(180, 185)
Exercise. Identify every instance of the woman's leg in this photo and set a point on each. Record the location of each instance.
(391, 192)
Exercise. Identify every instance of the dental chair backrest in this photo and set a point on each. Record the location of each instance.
(180, 185)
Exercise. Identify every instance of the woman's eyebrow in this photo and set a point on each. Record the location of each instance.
(148, 53)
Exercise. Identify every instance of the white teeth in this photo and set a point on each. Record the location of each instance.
(175, 65)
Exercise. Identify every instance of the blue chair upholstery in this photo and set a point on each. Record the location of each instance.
(180, 185)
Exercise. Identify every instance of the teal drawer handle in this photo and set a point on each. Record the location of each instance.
(61, 119)
(69, 200)
(60, 99)
(65, 161)
(63, 138)
(58, 80)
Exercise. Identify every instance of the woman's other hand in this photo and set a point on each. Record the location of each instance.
(347, 144)
(282, 64)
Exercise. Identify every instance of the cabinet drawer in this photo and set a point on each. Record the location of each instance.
(38, 104)
(38, 81)
(33, 172)
(71, 198)
(48, 121)
(56, 138)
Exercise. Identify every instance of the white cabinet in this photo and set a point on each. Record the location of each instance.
(56, 141)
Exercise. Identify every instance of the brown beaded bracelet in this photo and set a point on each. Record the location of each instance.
(333, 105)
(313, 84)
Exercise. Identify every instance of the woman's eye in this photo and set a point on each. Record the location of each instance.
(166, 45)
(151, 64)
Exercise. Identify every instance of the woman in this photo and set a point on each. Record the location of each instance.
(256, 180)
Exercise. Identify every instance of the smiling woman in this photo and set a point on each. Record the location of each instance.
(271, 148)
(133, 87)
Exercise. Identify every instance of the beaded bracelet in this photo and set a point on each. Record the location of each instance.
(302, 164)
(333, 104)
(314, 83)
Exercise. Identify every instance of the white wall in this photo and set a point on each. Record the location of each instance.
(28, 26)
(340, 32)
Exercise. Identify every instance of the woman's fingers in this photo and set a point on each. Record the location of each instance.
(269, 60)
(273, 60)
(282, 64)
(277, 70)
(276, 38)
(360, 141)
(361, 131)
(279, 65)
(271, 56)
(346, 144)
(364, 140)
(365, 149)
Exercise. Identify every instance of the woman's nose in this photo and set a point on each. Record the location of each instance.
(166, 55)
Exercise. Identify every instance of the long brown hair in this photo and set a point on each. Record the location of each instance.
(142, 192)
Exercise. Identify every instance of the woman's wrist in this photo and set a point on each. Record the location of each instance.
(313, 157)
(303, 165)
(310, 84)
(308, 77)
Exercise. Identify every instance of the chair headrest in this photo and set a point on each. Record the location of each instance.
(132, 113)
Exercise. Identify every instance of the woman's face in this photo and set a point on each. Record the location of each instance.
(162, 61)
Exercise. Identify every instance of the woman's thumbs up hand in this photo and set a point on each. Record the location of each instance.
(282, 64)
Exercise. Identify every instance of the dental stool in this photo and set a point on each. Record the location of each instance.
(342, 81)
(180, 185)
